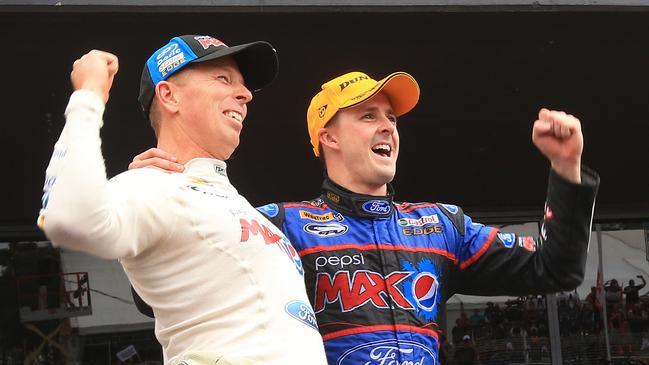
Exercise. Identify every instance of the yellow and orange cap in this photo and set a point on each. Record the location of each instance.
(354, 88)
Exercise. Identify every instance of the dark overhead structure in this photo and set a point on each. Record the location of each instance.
(484, 67)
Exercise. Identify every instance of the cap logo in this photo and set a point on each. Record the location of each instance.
(167, 52)
(349, 82)
(168, 65)
(322, 110)
(207, 41)
(366, 92)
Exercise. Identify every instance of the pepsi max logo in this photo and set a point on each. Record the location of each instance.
(270, 210)
(424, 290)
(302, 312)
(391, 352)
(508, 239)
(376, 206)
(325, 230)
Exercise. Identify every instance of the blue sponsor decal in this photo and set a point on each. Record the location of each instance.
(384, 352)
(453, 209)
(45, 199)
(169, 59)
(508, 239)
(302, 312)
(377, 206)
(270, 210)
(423, 289)
(325, 230)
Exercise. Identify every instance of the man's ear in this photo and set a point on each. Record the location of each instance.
(165, 93)
(327, 138)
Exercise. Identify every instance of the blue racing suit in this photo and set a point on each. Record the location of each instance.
(378, 272)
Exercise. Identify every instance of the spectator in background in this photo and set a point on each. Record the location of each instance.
(465, 323)
(587, 316)
(616, 319)
(596, 307)
(613, 293)
(531, 314)
(631, 291)
(465, 353)
(489, 313)
(457, 332)
(477, 319)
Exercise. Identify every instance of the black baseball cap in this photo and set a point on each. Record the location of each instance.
(257, 62)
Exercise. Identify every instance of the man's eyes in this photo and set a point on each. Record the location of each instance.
(223, 78)
(372, 116)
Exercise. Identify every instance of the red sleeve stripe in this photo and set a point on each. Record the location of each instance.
(481, 251)
(304, 205)
(378, 246)
(386, 327)
(416, 206)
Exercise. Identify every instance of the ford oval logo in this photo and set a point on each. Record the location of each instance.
(302, 312)
(377, 206)
(325, 230)
(386, 351)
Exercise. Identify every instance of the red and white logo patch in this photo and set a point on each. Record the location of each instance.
(207, 41)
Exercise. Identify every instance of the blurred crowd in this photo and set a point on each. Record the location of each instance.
(517, 331)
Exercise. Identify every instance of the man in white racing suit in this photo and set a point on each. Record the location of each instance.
(225, 285)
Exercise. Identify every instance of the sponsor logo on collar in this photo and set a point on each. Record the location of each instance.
(333, 197)
(325, 230)
(419, 222)
(320, 217)
(219, 170)
(376, 206)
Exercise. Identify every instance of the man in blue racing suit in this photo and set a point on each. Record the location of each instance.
(378, 272)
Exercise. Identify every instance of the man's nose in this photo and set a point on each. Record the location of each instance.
(242, 94)
(387, 125)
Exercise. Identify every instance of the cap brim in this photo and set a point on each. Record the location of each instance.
(401, 88)
(403, 91)
(257, 62)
